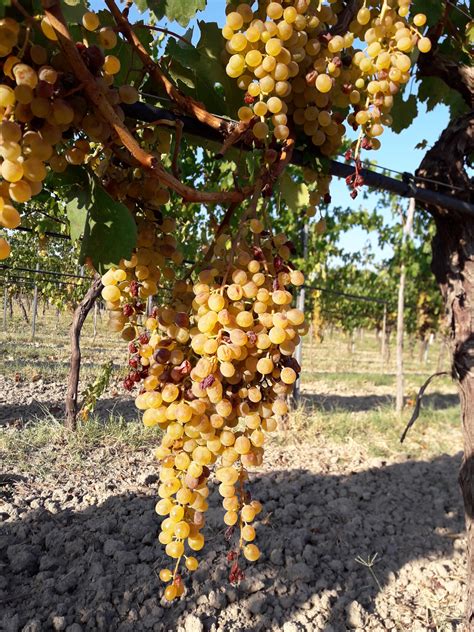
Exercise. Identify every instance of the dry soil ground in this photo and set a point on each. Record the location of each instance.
(357, 533)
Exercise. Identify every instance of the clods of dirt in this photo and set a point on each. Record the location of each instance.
(346, 545)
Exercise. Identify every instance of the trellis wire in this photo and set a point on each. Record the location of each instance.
(39, 271)
(405, 187)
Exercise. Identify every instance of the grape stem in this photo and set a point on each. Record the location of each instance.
(416, 31)
(277, 169)
(176, 566)
(186, 104)
(250, 212)
(29, 18)
(222, 226)
(359, 141)
(179, 125)
(384, 9)
(165, 31)
(241, 521)
(21, 52)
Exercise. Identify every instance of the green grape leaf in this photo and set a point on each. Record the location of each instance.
(433, 91)
(181, 11)
(212, 96)
(3, 5)
(73, 11)
(414, 269)
(76, 199)
(142, 5)
(433, 9)
(200, 71)
(450, 48)
(184, 53)
(295, 194)
(183, 75)
(107, 228)
(76, 213)
(110, 232)
(252, 163)
(403, 112)
(214, 87)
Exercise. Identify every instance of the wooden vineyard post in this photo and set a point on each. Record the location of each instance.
(444, 347)
(300, 305)
(96, 307)
(35, 306)
(383, 349)
(400, 308)
(19, 298)
(5, 303)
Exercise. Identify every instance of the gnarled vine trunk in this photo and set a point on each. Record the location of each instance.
(453, 266)
(80, 315)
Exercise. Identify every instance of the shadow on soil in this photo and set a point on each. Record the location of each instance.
(359, 403)
(401, 512)
(10, 413)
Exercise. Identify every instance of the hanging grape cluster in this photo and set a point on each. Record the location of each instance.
(127, 287)
(46, 123)
(297, 73)
(216, 369)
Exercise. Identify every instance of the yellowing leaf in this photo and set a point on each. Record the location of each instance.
(295, 194)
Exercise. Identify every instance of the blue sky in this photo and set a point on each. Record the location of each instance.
(397, 152)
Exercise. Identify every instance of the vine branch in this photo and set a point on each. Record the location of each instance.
(159, 29)
(222, 226)
(185, 103)
(97, 97)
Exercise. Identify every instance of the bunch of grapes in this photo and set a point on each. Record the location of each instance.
(45, 121)
(215, 366)
(320, 193)
(128, 285)
(297, 74)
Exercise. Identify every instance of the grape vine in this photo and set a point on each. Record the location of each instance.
(213, 360)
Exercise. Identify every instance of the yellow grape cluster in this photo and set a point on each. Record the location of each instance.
(295, 72)
(320, 193)
(45, 121)
(217, 368)
(128, 285)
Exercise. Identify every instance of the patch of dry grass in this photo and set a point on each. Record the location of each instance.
(378, 431)
(46, 446)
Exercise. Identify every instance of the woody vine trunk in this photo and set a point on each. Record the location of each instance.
(453, 266)
(80, 315)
